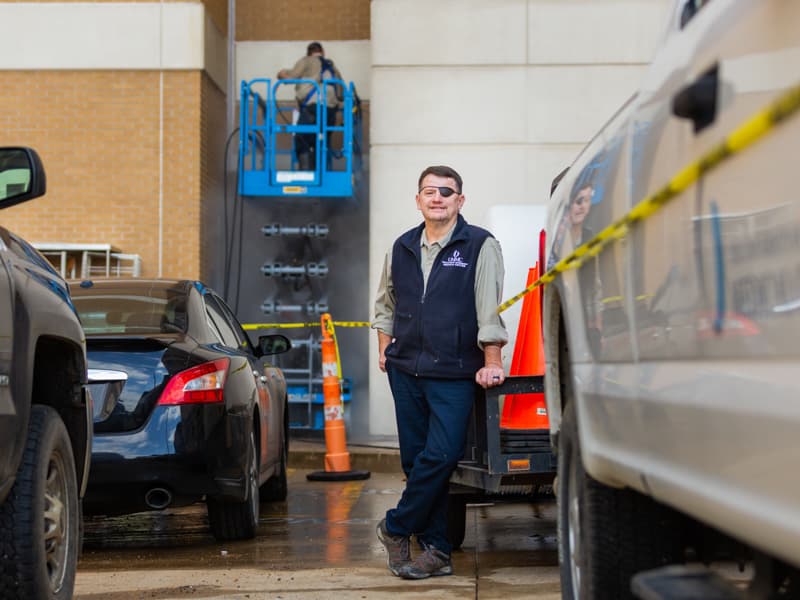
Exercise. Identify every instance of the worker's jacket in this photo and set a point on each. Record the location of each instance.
(436, 329)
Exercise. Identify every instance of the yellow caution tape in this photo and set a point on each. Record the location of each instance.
(351, 323)
(277, 325)
(250, 326)
(747, 134)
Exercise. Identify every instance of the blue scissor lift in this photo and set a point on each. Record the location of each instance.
(269, 169)
(267, 161)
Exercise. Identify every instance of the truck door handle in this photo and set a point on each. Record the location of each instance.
(698, 100)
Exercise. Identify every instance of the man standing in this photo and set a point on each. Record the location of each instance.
(316, 67)
(438, 336)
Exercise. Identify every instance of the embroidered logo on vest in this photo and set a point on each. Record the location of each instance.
(454, 260)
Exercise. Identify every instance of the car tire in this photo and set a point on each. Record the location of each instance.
(276, 488)
(39, 521)
(456, 519)
(606, 535)
(232, 520)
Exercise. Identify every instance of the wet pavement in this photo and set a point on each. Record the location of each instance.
(319, 544)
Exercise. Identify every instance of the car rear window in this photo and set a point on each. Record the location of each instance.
(109, 312)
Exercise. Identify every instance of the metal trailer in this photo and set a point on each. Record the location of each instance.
(499, 464)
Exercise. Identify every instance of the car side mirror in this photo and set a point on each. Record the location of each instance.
(22, 176)
(273, 344)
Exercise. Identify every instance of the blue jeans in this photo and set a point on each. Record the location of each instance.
(432, 418)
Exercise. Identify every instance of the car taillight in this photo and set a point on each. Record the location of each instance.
(202, 384)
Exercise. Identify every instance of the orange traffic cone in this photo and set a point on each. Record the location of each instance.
(527, 411)
(337, 458)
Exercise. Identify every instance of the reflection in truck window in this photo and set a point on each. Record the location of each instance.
(690, 9)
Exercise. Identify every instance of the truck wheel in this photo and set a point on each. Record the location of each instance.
(39, 521)
(606, 535)
(232, 520)
(456, 519)
(276, 488)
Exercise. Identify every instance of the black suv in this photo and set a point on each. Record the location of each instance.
(45, 411)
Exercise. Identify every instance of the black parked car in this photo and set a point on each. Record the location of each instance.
(45, 412)
(200, 416)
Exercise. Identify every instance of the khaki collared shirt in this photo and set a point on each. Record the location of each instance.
(489, 274)
(310, 67)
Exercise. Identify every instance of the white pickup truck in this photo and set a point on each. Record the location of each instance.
(673, 379)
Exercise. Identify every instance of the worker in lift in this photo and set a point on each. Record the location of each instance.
(316, 67)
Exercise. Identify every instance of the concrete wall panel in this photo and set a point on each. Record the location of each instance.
(448, 32)
(110, 36)
(57, 35)
(569, 104)
(591, 32)
(454, 105)
(70, 35)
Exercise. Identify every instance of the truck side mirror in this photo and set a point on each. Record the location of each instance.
(22, 176)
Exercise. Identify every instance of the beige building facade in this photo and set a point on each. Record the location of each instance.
(128, 104)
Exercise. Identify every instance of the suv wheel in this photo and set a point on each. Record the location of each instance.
(39, 521)
(606, 535)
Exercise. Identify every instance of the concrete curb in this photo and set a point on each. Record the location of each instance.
(311, 456)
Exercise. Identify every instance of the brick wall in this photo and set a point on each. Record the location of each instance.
(212, 149)
(182, 109)
(98, 135)
(218, 11)
(260, 20)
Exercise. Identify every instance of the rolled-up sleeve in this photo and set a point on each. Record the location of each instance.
(385, 300)
(489, 275)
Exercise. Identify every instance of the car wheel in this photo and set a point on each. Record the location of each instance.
(606, 535)
(276, 487)
(39, 521)
(456, 519)
(232, 520)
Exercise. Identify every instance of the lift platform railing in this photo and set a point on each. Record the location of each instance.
(268, 164)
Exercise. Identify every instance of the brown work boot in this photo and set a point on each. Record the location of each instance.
(431, 563)
(398, 550)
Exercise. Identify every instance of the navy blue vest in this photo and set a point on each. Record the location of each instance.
(436, 333)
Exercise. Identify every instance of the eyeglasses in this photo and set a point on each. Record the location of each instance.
(429, 191)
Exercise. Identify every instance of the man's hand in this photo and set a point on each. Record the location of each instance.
(492, 372)
(384, 340)
(490, 376)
